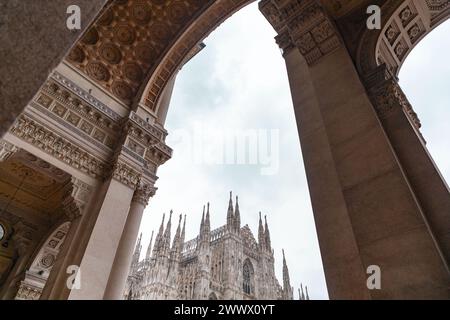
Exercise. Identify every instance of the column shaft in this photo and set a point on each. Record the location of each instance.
(122, 261)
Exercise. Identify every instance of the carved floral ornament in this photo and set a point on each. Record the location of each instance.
(126, 174)
(388, 97)
(302, 24)
(143, 193)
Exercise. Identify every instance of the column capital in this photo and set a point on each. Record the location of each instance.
(126, 174)
(302, 24)
(387, 95)
(143, 193)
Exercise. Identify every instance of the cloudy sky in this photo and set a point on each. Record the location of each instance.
(237, 87)
(425, 78)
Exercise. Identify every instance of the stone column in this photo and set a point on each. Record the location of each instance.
(74, 206)
(403, 129)
(365, 210)
(112, 209)
(122, 261)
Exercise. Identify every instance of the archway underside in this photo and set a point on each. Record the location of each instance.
(134, 48)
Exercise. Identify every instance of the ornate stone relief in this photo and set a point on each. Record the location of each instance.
(147, 141)
(76, 196)
(6, 150)
(143, 193)
(387, 96)
(125, 43)
(59, 147)
(30, 288)
(97, 124)
(126, 174)
(303, 24)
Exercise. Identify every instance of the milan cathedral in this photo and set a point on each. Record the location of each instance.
(226, 263)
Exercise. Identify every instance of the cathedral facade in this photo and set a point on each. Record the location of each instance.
(224, 263)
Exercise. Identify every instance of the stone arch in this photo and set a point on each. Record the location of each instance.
(248, 277)
(37, 274)
(407, 23)
(184, 47)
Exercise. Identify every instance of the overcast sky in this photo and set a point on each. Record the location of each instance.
(237, 86)
(425, 78)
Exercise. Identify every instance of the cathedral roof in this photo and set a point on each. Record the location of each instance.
(248, 238)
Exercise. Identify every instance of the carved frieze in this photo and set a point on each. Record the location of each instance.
(126, 174)
(94, 120)
(59, 147)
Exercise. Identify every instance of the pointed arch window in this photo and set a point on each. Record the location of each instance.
(247, 277)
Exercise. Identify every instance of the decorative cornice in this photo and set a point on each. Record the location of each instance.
(86, 96)
(147, 140)
(59, 147)
(126, 174)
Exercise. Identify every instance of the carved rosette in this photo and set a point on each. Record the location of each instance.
(304, 25)
(126, 174)
(143, 193)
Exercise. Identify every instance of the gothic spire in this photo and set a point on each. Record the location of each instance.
(183, 234)
(307, 295)
(149, 248)
(207, 220)
(230, 215)
(202, 224)
(237, 216)
(137, 253)
(267, 234)
(176, 239)
(166, 239)
(261, 235)
(158, 240)
(299, 294)
(286, 280)
(138, 248)
(303, 293)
